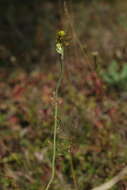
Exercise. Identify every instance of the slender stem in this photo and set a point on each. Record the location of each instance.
(73, 173)
(56, 121)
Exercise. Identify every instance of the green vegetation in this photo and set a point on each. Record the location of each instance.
(115, 76)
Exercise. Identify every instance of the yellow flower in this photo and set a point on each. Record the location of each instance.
(61, 33)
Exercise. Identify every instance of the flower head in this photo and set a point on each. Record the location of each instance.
(60, 42)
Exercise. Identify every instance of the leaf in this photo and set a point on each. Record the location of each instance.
(124, 73)
(113, 67)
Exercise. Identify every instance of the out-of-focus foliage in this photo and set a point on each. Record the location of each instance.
(116, 76)
(28, 28)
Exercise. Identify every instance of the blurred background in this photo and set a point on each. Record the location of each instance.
(28, 28)
(92, 132)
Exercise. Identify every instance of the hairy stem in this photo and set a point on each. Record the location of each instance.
(61, 60)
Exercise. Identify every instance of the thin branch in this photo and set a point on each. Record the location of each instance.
(113, 181)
